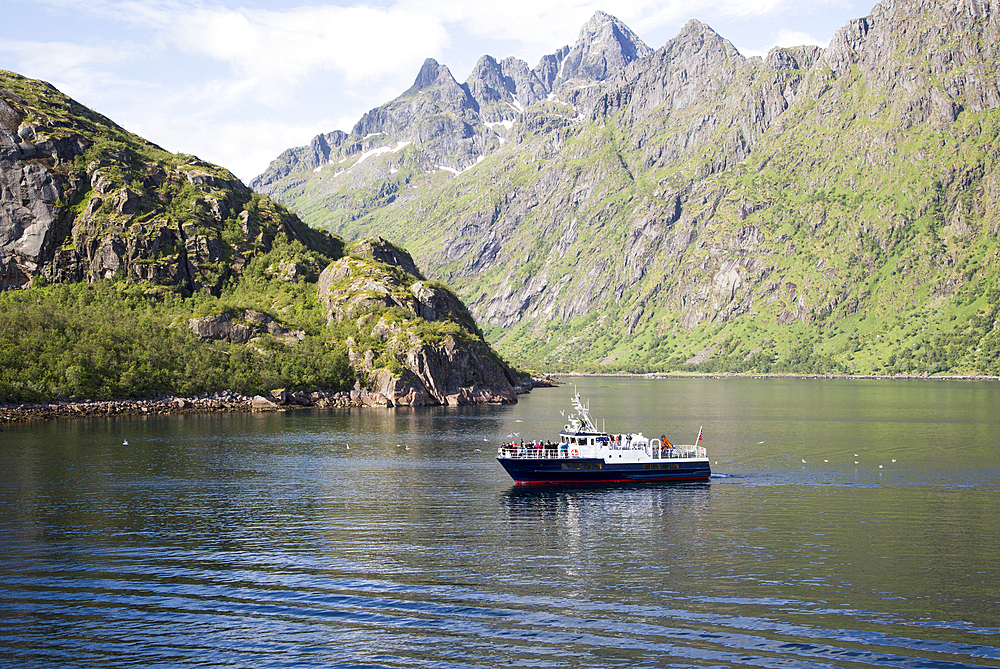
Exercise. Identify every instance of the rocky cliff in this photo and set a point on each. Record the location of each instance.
(82, 199)
(818, 209)
(412, 341)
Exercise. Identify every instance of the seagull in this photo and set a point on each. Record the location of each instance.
(855, 462)
(518, 420)
(825, 460)
(479, 450)
(856, 455)
(517, 434)
(485, 439)
(880, 466)
(759, 443)
(407, 448)
(125, 442)
(803, 460)
(348, 447)
(894, 459)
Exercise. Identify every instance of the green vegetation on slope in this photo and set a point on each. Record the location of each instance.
(117, 339)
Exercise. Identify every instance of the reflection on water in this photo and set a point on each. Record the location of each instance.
(393, 538)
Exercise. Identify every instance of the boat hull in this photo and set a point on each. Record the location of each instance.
(597, 471)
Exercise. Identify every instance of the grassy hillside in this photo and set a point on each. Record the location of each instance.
(117, 339)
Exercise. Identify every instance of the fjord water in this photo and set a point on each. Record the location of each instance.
(849, 524)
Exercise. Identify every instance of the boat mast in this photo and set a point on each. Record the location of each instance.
(584, 413)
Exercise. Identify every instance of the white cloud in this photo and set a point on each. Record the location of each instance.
(78, 69)
(277, 50)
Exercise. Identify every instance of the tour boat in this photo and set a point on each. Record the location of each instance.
(585, 454)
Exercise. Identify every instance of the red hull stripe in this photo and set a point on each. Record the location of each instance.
(643, 480)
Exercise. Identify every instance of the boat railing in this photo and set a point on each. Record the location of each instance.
(568, 451)
(533, 453)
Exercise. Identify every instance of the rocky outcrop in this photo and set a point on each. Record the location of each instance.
(82, 199)
(429, 350)
(242, 327)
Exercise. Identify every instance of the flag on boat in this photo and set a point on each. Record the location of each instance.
(699, 434)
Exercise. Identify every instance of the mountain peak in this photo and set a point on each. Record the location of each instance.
(605, 46)
(600, 18)
(430, 73)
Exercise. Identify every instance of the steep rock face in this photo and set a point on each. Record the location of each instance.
(320, 151)
(435, 352)
(940, 63)
(81, 199)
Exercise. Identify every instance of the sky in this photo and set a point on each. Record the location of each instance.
(236, 82)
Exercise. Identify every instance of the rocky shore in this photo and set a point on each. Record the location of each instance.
(227, 402)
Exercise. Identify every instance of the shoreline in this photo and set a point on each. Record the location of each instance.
(227, 402)
(280, 400)
(729, 375)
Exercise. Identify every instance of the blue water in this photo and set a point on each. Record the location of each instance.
(392, 538)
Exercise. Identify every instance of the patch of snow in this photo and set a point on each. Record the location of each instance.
(317, 169)
(374, 152)
(392, 170)
(448, 169)
(480, 159)
(380, 150)
(372, 134)
(517, 104)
